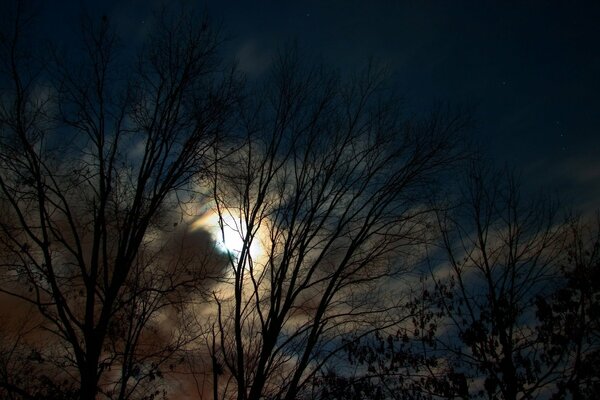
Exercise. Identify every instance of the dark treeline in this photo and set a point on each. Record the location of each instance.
(169, 229)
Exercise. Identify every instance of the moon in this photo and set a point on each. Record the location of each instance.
(229, 238)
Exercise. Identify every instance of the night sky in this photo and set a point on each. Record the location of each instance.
(530, 71)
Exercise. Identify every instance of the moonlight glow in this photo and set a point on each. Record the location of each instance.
(230, 237)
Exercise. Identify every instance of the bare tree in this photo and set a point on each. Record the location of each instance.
(95, 160)
(502, 253)
(325, 199)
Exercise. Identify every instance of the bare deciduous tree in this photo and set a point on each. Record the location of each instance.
(325, 199)
(95, 159)
(502, 252)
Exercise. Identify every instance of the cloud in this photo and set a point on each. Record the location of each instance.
(253, 59)
(576, 179)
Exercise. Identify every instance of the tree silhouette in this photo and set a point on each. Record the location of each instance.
(569, 317)
(95, 161)
(327, 196)
(501, 250)
(502, 253)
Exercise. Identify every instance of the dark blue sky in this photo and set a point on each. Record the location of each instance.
(530, 69)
